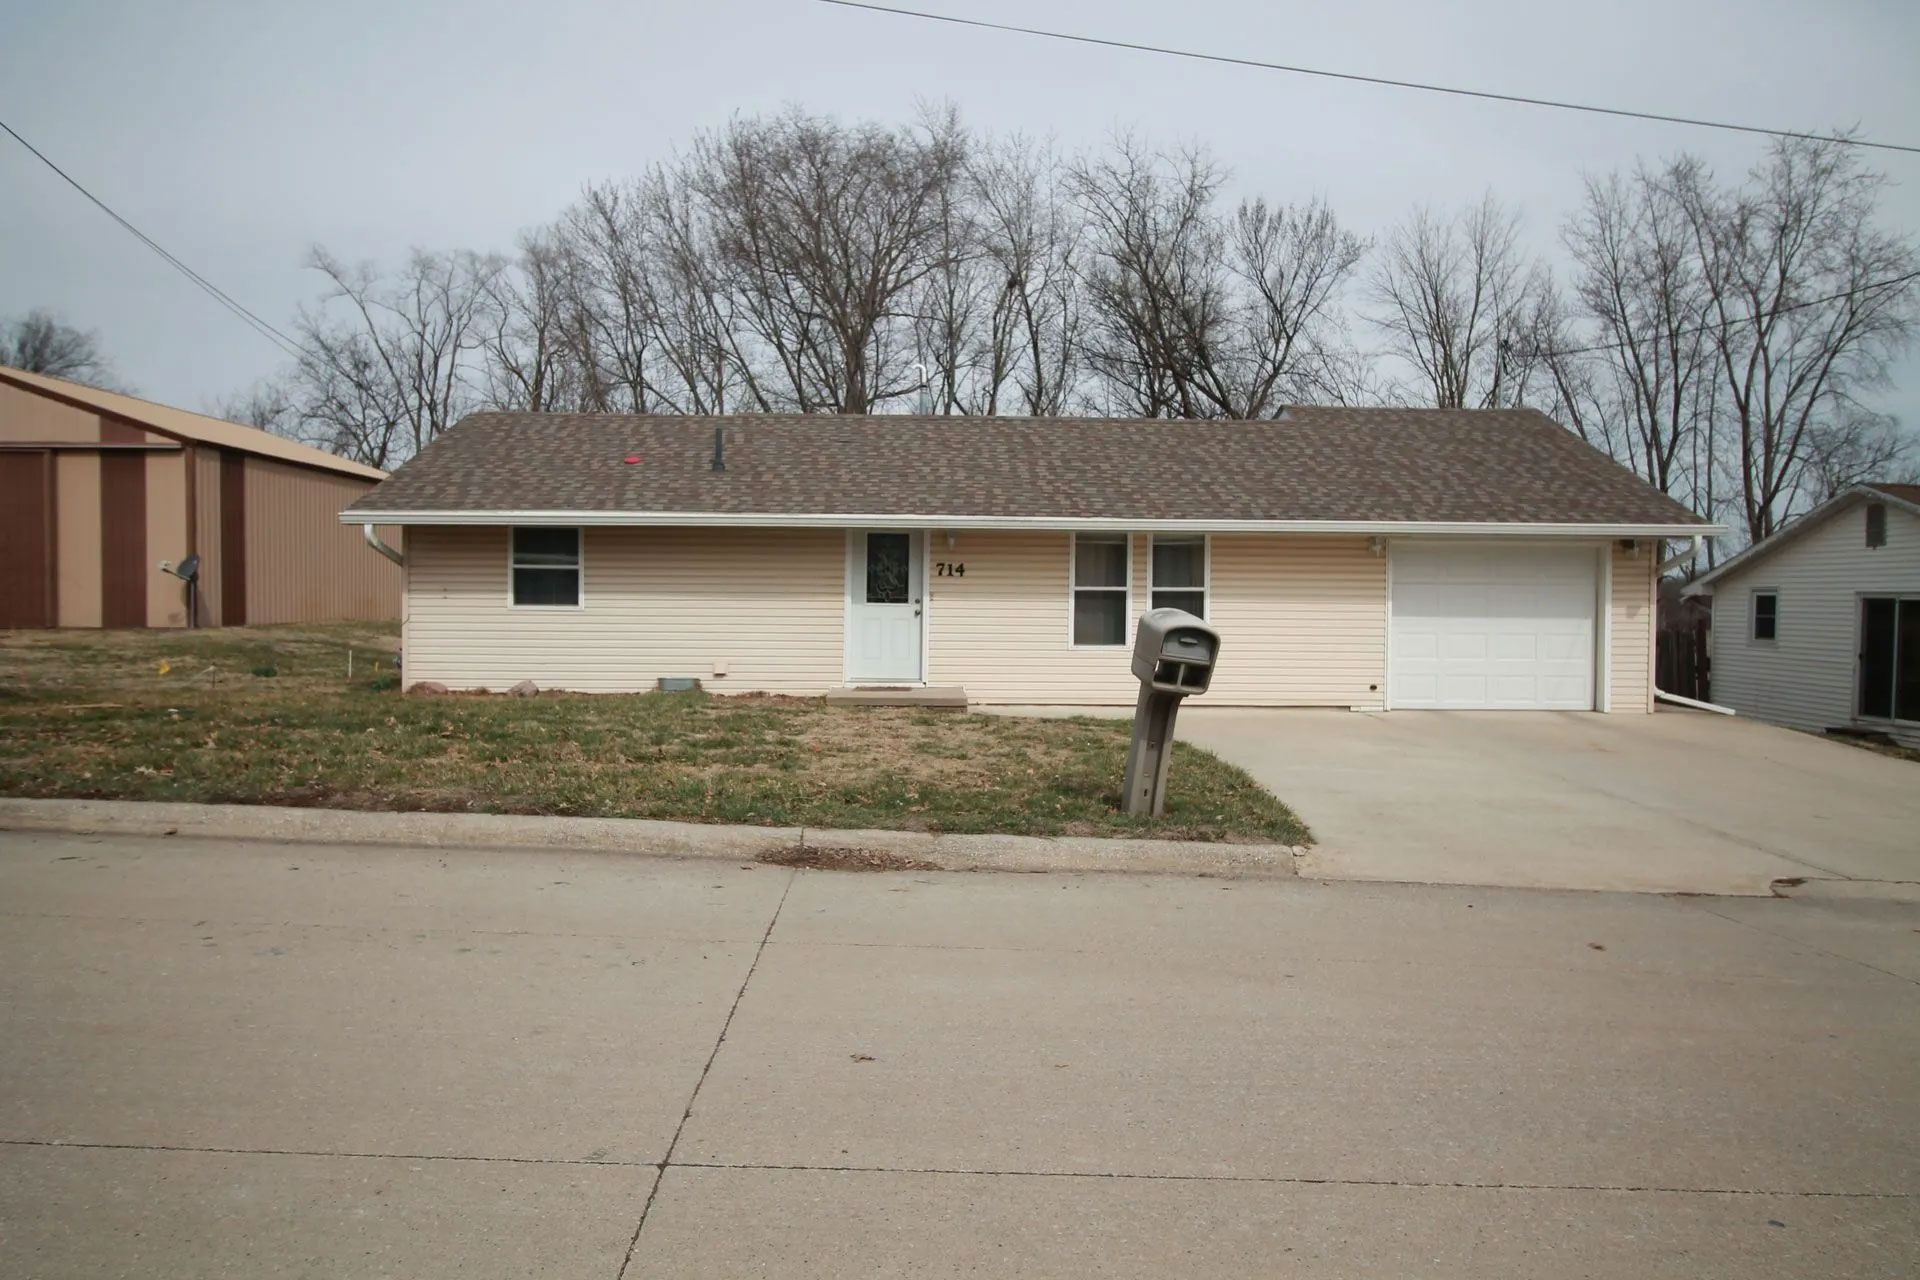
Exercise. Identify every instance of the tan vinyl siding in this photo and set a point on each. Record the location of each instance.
(303, 565)
(167, 537)
(1303, 622)
(768, 606)
(1806, 677)
(1630, 617)
(77, 515)
(1309, 621)
(206, 532)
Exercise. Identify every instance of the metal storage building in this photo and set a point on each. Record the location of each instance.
(98, 489)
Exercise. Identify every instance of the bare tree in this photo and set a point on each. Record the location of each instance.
(824, 232)
(962, 324)
(1452, 293)
(1031, 240)
(267, 404)
(529, 362)
(1293, 262)
(1193, 314)
(609, 316)
(704, 349)
(1640, 284)
(388, 364)
(1153, 275)
(39, 342)
(1807, 299)
(1857, 446)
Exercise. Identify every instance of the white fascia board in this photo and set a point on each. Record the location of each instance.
(855, 520)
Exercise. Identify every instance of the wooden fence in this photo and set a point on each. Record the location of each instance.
(1680, 661)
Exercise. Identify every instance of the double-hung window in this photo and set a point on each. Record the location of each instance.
(1766, 615)
(545, 567)
(1100, 573)
(1180, 574)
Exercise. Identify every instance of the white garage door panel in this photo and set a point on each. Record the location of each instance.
(1493, 627)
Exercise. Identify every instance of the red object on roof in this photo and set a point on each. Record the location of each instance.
(632, 458)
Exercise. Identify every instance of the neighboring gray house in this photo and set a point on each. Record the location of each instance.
(1818, 627)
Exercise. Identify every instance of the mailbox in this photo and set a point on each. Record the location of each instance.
(1174, 651)
(1173, 657)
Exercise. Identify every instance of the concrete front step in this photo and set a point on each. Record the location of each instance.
(933, 698)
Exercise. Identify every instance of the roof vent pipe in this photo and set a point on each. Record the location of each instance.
(719, 449)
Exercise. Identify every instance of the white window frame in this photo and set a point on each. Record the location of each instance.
(1074, 588)
(1753, 615)
(579, 569)
(1206, 570)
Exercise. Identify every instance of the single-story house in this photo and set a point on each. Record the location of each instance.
(1365, 558)
(99, 490)
(1818, 626)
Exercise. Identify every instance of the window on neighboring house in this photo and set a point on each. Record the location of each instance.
(545, 565)
(1180, 574)
(1100, 572)
(1876, 524)
(1766, 614)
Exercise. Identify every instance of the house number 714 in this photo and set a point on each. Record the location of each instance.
(950, 569)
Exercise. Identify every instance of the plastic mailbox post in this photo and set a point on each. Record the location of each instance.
(1173, 657)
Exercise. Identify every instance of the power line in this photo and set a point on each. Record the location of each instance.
(1363, 79)
(1889, 282)
(265, 330)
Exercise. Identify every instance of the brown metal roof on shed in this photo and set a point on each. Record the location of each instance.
(98, 489)
(1316, 464)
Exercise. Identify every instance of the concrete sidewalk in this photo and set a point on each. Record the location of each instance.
(222, 1057)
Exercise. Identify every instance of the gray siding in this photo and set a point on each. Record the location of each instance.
(1806, 677)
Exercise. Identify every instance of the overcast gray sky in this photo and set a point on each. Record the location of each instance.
(239, 134)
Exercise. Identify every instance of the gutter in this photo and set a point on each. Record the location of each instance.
(373, 540)
(868, 520)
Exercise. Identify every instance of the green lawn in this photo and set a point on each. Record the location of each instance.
(269, 716)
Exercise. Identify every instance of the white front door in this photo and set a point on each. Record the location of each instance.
(1492, 627)
(885, 587)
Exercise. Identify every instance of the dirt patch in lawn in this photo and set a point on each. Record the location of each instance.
(832, 858)
(272, 716)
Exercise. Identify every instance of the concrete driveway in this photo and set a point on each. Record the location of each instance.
(1677, 801)
(259, 1060)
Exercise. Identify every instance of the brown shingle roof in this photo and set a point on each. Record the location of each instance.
(1904, 492)
(1359, 465)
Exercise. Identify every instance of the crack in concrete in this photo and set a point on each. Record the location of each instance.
(1805, 945)
(1283, 1180)
(184, 1149)
(667, 1161)
(660, 1167)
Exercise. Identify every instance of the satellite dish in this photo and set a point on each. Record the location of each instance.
(188, 571)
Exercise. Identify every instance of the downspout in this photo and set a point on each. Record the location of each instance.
(1671, 562)
(373, 540)
(1661, 695)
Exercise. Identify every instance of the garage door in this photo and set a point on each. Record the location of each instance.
(1505, 628)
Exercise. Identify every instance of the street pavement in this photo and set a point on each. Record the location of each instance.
(223, 1058)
